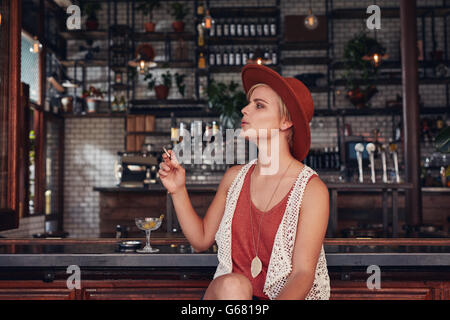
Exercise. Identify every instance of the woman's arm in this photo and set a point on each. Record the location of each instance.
(311, 229)
(200, 232)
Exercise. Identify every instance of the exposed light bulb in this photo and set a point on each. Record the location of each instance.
(311, 21)
(36, 46)
(376, 59)
(207, 21)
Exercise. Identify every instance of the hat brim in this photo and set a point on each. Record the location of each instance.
(253, 74)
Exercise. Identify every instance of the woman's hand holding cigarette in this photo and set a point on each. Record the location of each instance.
(171, 173)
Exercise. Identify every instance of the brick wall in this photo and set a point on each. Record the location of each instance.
(92, 144)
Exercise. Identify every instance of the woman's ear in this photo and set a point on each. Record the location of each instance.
(286, 124)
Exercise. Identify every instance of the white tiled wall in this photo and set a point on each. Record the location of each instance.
(27, 228)
(91, 144)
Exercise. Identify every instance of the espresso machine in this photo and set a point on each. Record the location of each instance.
(136, 169)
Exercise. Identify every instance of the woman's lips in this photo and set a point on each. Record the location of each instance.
(243, 123)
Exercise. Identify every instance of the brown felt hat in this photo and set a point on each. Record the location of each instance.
(295, 96)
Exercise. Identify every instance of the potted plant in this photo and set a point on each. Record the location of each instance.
(93, 96)
(179, 80)
(360, 74)
(147, 7)
(178, 11)
(161, 87)
(90, 9)
(227, 101)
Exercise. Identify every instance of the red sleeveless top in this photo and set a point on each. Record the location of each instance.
(242, 248)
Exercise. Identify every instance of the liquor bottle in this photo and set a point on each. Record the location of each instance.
(212, 58)
(238, 57)
(326, 159)
(267, 55)
(239, 28)
(232, 28)
(245, 28)
(201, 9)
(226, 28)
(115, 105)
(212, 30)
(273, 27)
(201, 38)
(252, 28)
(218, 58)
(337, 157)
(225, 61)
(274, 57)
(398, 132)
(122, 104)
(231, 61)
(266, 28)
(219, 28)
(201, 61)
(259, 28)
(244, 57)
(174, 133)
(183, 128)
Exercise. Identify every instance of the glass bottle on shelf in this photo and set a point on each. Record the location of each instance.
(212, 57)
(219, 28)
(232, 28)
(239, 28)
(244, 56)
(245, 28)
(201, 39)
(238, 57)
(225, 61)
(252, 28)
(174, 133)
(201, 9)
(201, 61)
(274, 57)
(218, 57)
(231, 57)
(266, 29)
(115, 105)
(122, 104)
(226, 28)
(212, 30)
(259, 28)
(273, 27)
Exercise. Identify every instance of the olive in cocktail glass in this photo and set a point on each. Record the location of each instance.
(148, 225)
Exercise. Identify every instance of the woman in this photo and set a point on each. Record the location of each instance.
(268, 217)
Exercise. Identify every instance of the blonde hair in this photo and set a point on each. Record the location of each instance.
(284, 112)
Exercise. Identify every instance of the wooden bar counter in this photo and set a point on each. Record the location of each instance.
(37, 269)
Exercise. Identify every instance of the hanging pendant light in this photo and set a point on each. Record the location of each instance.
(311, 21)
(36, 47)
(144, 59)
(376, 53)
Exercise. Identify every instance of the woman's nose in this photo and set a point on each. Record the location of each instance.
(244, 110)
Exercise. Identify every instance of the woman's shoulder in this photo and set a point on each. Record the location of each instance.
(231, 174)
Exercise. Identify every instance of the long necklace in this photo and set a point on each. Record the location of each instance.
(256, 265)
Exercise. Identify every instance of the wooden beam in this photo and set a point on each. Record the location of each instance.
(411, 110)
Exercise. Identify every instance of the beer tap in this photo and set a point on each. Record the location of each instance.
(393, 150)
(370, 147)
(383, 161)
(359, 148)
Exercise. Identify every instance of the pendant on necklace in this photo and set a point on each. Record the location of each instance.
(256, 267)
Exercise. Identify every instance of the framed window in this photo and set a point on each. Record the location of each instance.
(11, 206)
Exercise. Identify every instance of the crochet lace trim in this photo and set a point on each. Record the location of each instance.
(280, 264)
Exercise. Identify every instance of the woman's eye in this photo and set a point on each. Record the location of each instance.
(258, 105)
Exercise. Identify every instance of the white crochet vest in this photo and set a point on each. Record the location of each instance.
(280, 264)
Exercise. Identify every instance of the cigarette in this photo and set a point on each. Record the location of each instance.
(170, 158)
